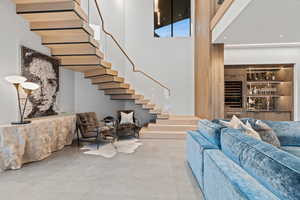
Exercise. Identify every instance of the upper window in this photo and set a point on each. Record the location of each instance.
(172, 18)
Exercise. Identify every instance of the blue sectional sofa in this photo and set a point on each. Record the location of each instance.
(230, 165)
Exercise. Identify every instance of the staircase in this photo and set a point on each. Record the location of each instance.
(173, 127)
(63, 27)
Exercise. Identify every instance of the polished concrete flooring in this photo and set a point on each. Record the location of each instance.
(157, 171)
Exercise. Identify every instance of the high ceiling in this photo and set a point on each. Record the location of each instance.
(260, 22)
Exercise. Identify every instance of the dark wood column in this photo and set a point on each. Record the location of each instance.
(209, 65)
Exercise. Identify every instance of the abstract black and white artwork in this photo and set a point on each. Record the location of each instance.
(43, 70)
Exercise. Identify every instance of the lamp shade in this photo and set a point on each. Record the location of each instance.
(15, 79)
(30, 86)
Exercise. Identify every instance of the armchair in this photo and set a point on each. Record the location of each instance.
(90, 129)
(128, 129)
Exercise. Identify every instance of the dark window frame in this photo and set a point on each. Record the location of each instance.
(173, 21)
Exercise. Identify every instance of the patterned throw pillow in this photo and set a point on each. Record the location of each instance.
(248, 130)
(126, 118)
(266, 133)
(234, 123)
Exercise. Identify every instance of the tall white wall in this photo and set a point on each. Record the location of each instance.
(14, 33)
(170, 60)
(269, 55)
(87, 97)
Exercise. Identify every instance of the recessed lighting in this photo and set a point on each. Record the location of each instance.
(281, 36)
(225, 38)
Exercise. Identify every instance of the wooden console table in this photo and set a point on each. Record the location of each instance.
(36, 141)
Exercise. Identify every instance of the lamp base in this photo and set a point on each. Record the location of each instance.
(21, 123)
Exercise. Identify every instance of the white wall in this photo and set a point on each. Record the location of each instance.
(87, 97)
(269, 55)
(170, 60)
(14, 33)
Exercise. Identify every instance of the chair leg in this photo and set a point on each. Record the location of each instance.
(78, 140)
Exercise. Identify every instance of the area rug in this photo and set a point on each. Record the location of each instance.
(109, 150)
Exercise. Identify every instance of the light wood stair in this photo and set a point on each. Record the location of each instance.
(64, 29)
(170, 127)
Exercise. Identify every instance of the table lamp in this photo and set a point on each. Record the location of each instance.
(19, 81)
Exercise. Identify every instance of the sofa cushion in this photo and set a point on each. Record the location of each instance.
(196, 144)
(225, 180)
(288, 133)
(266, 133)
(292, 150)
(211, 131)
(277, 170)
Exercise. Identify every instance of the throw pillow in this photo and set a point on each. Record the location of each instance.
(248, 130)
(266, 133)
(234, 123)
(126, 118)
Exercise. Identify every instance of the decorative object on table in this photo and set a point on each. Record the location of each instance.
(109, 150)
(35, 141)
(43, 70)
(129, 126)
(91, 130)
(28, 87)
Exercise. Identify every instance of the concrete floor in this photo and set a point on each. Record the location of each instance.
(157, 171)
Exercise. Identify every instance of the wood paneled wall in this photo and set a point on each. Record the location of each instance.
(209, 65)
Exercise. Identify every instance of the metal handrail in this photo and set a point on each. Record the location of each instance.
(134, 69)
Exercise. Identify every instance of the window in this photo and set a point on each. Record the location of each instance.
(172, 18)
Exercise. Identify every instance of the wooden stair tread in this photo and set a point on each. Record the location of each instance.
(148, 106)
(79, 60)
(176, 121)
(81, 68)
(74, 49)
(106, 86)
(141, 102)
(106, 79)
(42, 1)
(66, 24)
(51, 11)
(123, 97)
(100, 72)
(119, 91)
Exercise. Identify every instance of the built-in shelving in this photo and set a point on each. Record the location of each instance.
(265, 91)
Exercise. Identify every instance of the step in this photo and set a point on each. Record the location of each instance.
(100, 72)
(119, 91)
(70, 39)
(183, 117)
(79, 60)
(176, 135)
(162, 127)
(106, 86)
(62, 25)
(123, 97)
(163, 116)
(82, 68)
(139, 97)
(177, 121)
(106, 64)
(142, 102)
(107, 79)
(74, 49)
(42, 1)
(149, 106)
(155, 111)
(51, 11)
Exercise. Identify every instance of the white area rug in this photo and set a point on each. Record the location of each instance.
(109, 150)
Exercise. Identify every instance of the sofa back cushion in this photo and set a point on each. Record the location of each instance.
(211, 131)
(288, 133)
(277, 170)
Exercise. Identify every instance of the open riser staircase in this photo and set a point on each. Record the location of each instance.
(63, 27)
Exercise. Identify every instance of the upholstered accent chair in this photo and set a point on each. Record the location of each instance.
(128, 129)
(91, 129)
